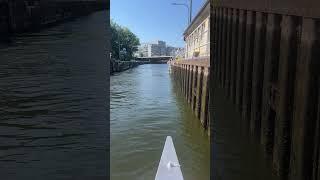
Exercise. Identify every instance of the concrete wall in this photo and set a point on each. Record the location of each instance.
(191, 77)
(268, 65)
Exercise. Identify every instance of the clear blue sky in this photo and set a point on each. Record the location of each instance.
(154, 19)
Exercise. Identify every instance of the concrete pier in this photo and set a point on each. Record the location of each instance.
(192, 78)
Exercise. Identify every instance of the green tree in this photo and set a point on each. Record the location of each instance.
(123, 41)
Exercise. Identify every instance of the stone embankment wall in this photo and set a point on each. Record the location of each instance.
(192, 79)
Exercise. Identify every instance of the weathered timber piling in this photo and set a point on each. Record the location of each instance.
(192, 79)
(266, 58)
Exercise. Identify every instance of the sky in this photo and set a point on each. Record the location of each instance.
(154, 20)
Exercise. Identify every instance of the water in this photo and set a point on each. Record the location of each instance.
(145, 108)
(53, 102)
(237, 154)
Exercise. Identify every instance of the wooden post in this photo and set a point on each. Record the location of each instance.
(228, 51)
(304, 117)
(199, 91)
(247, 72)
(316, 152)
(240, 56)
(257, 74)
(219, 45)
(190, 77)
(271, 58)
(204, 98)
(214, 38)
(194, 88)
(234, 48)
(184, 78)
(290, 39)
(224, 47)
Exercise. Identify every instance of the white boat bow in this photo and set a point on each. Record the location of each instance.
(169, 167)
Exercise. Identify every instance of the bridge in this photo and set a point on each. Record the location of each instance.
(155, 59)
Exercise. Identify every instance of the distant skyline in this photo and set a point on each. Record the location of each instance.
(153, 20)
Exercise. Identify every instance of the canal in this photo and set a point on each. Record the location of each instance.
(145, 108)
(53, 102)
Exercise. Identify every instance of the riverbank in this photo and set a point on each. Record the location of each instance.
(120, 66)
(31, 15)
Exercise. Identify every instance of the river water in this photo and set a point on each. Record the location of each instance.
(53, 102)
(145, 108)
(54, 114)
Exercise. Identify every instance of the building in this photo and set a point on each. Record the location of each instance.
(142, 50)
(157, 48)
(197, 34)
(175, 51)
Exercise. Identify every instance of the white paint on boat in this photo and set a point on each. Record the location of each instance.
(169, 167)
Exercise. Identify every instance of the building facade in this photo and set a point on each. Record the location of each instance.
(157, 48)
(197, 34)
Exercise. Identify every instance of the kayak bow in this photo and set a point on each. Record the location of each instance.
(169, 167)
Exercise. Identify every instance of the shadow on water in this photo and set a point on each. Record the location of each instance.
(53, 102)
(196, 140)
(235, 154)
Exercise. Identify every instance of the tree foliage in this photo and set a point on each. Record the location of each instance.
(123, 41)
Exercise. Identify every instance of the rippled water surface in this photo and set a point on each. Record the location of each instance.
(53, 117)
(145, 108)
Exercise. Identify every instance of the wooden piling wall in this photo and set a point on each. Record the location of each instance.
(267, 59)
(192, 79)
